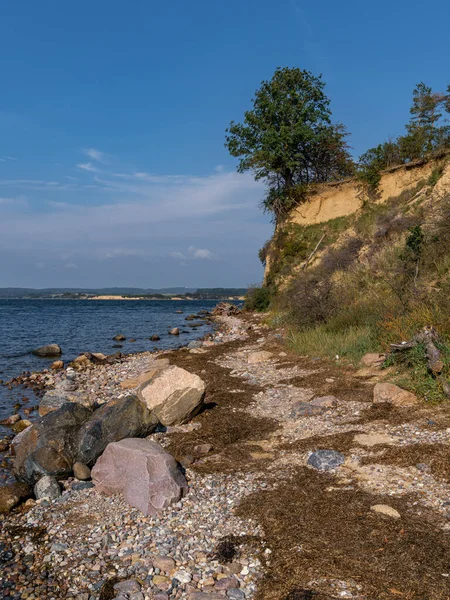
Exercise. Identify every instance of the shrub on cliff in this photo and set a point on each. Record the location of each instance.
(288, 139)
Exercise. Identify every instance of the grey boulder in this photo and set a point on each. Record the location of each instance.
(122, 418)
(48, 447)
(326, 460)
(47, 487)
(143, 472)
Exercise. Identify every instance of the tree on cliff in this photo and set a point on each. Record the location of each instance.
(288, 139)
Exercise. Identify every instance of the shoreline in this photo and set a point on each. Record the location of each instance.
(250, 484)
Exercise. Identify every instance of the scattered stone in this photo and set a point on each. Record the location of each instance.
(21, 425)
(202, 449)
(119, 338)
(326, 460)
(392, 394)
(48, 351)
(325, 402)
(305, 409)
(373, 360)
(130, 586)
(143, 472)
(81, 362)
(10, 420)
(259, 357)
(385, 509)
(166, 564)
(174, 396)
(47, 487)
(57, 365)
(225, 309)
(154, 338)
(81, 471)
(372, 439)
(174, 331)
(195, 344)
(78, 486)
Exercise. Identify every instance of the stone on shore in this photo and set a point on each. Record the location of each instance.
(81, 471)
(174, 395)
(385, 509)
(11, 420)
(143, 472)
(326, 460)
(373, 439)
(57, 365)
(21, 425)
(259, 357)
(392, 394)
(53, 400)
(325, 402)
(120, 418)
(155, 367)
(47, 351)
(373, 359)
(48, 447)
(195, 344)
(225, 309)
(12, 494)
(47, 487)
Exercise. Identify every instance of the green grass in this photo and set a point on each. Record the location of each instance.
(414, 375)
(349, 344)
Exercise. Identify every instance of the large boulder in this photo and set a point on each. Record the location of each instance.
(143, 472)
(48, 351)
(174, 395)
(59, 397)
(12, 494)
(121, 418)
(48, 447)
(392, 394)
(154, 368)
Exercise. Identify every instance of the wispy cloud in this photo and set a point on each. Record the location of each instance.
(94, 154)
(88, 167)
(202, 253)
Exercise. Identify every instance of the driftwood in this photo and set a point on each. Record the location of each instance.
(428, 336)
(308, 260)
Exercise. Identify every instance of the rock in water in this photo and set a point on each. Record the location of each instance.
(57, 365)
(112, 422)
(47, 487)
(174, 396)
(154, 338)
(143, 472)
(326, 460)
(49, 446)
(119, 338)
(392, 394)
(48, 351)
(174, 331)
(12, 494)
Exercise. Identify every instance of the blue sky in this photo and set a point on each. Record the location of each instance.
(112, 116)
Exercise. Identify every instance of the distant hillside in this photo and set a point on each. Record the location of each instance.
(204, 293)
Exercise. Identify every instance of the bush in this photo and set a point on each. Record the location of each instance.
(257, 299)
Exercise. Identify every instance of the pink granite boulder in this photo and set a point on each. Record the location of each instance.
(145, 474)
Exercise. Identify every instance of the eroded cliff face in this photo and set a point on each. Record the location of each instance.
(346, 198)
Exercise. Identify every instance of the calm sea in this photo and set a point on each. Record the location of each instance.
(82, 325)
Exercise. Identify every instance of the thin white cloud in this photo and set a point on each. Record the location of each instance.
(87, 167)
(71, 266)
(202, 253)
(94, 154)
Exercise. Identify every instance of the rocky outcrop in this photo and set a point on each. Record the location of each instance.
(174, 396)
(112, 422)
(392, 394)
(225, 309)
(48, 447)
(48, 351)
(143, 472)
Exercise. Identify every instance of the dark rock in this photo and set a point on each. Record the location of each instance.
(48, 351)
(154, 338)
(12, 494)
(48, 447)
(225, 309)
(78, 486)
(305, 409)
(121, 418)
(326, 460)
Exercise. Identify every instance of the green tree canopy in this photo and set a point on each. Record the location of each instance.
(288, 138)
